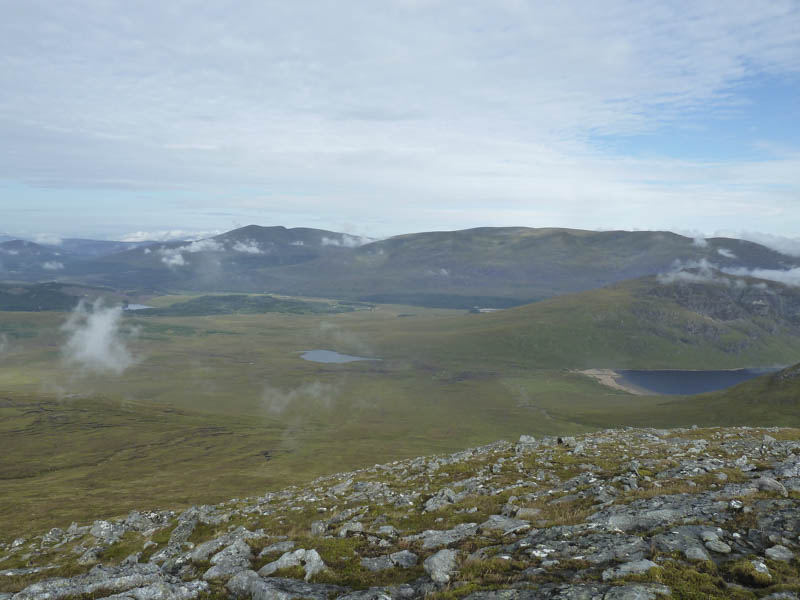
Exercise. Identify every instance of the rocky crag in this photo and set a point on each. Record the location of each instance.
(630, 514)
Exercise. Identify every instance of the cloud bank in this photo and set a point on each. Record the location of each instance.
(401, 115)
(95, 339)
(703, 271)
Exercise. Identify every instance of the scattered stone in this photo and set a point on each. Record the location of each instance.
(248, 584)
(282, 547)
(781, 553)
(632, 568)
(442, 498)
(434, 538)
(441, 566)
(505, 524)
(771, 485)
(229, 561)
(718, 546)
(403, 559)
(310, 560)
(589, 558)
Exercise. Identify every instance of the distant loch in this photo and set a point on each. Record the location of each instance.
(684, 383)
(329, 356)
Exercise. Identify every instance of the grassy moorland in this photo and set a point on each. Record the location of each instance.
(222, 405)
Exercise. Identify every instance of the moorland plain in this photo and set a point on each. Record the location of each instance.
(221, 405)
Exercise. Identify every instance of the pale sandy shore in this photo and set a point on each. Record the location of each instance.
(612, 379)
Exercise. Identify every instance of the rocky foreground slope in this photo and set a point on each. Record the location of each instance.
(625, 514)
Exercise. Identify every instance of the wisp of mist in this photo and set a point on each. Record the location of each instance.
(95, 339)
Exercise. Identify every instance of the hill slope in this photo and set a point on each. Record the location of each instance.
(775, 394)
(716, 322)
(616, 515)
(485, 267)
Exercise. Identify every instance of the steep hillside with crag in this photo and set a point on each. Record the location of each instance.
(719, 321)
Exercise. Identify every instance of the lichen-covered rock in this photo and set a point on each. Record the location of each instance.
(441, 566)
(310, 560)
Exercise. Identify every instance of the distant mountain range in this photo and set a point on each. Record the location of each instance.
(487, 267)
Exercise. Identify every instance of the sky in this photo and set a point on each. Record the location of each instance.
(129, 120)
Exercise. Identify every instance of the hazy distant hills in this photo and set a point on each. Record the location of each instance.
(24, 260)
(84, 247)
(29, 261)
(497, 267)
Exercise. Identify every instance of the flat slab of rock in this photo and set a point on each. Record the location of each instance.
(229, 561)
(403, 559)
(507, 525)
(441, 566)
(684, 539)
(636, 567)
(434, 538)
(248, 584)
(779, 552)
(310, 560)
(108, 580)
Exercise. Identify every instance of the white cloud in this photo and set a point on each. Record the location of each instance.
(207, 245)
(95, 339)
(297, 243)
(346, 241)
(167, 235)
(726, 253)
(785, 276)
(700, 271)
(47, 239)
(783, 244)
(172, 257)
(405, 115)
(247, 247)
(703, 271)
(52, 265)
(313, 396)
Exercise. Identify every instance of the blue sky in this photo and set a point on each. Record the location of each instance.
(126, 120)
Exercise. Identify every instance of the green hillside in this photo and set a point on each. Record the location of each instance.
(773, 398)
(242, 304)
(725, 323)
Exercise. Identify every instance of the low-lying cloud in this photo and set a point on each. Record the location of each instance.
(703, 271)
(695, 271)
(787, 276)
(346, 241)
(96, 341)
(315, 395)
(53, 265)
(47, 239)
(172, 257)
(167, 236)
(247, 247)
(780, 243)
(207, 245)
